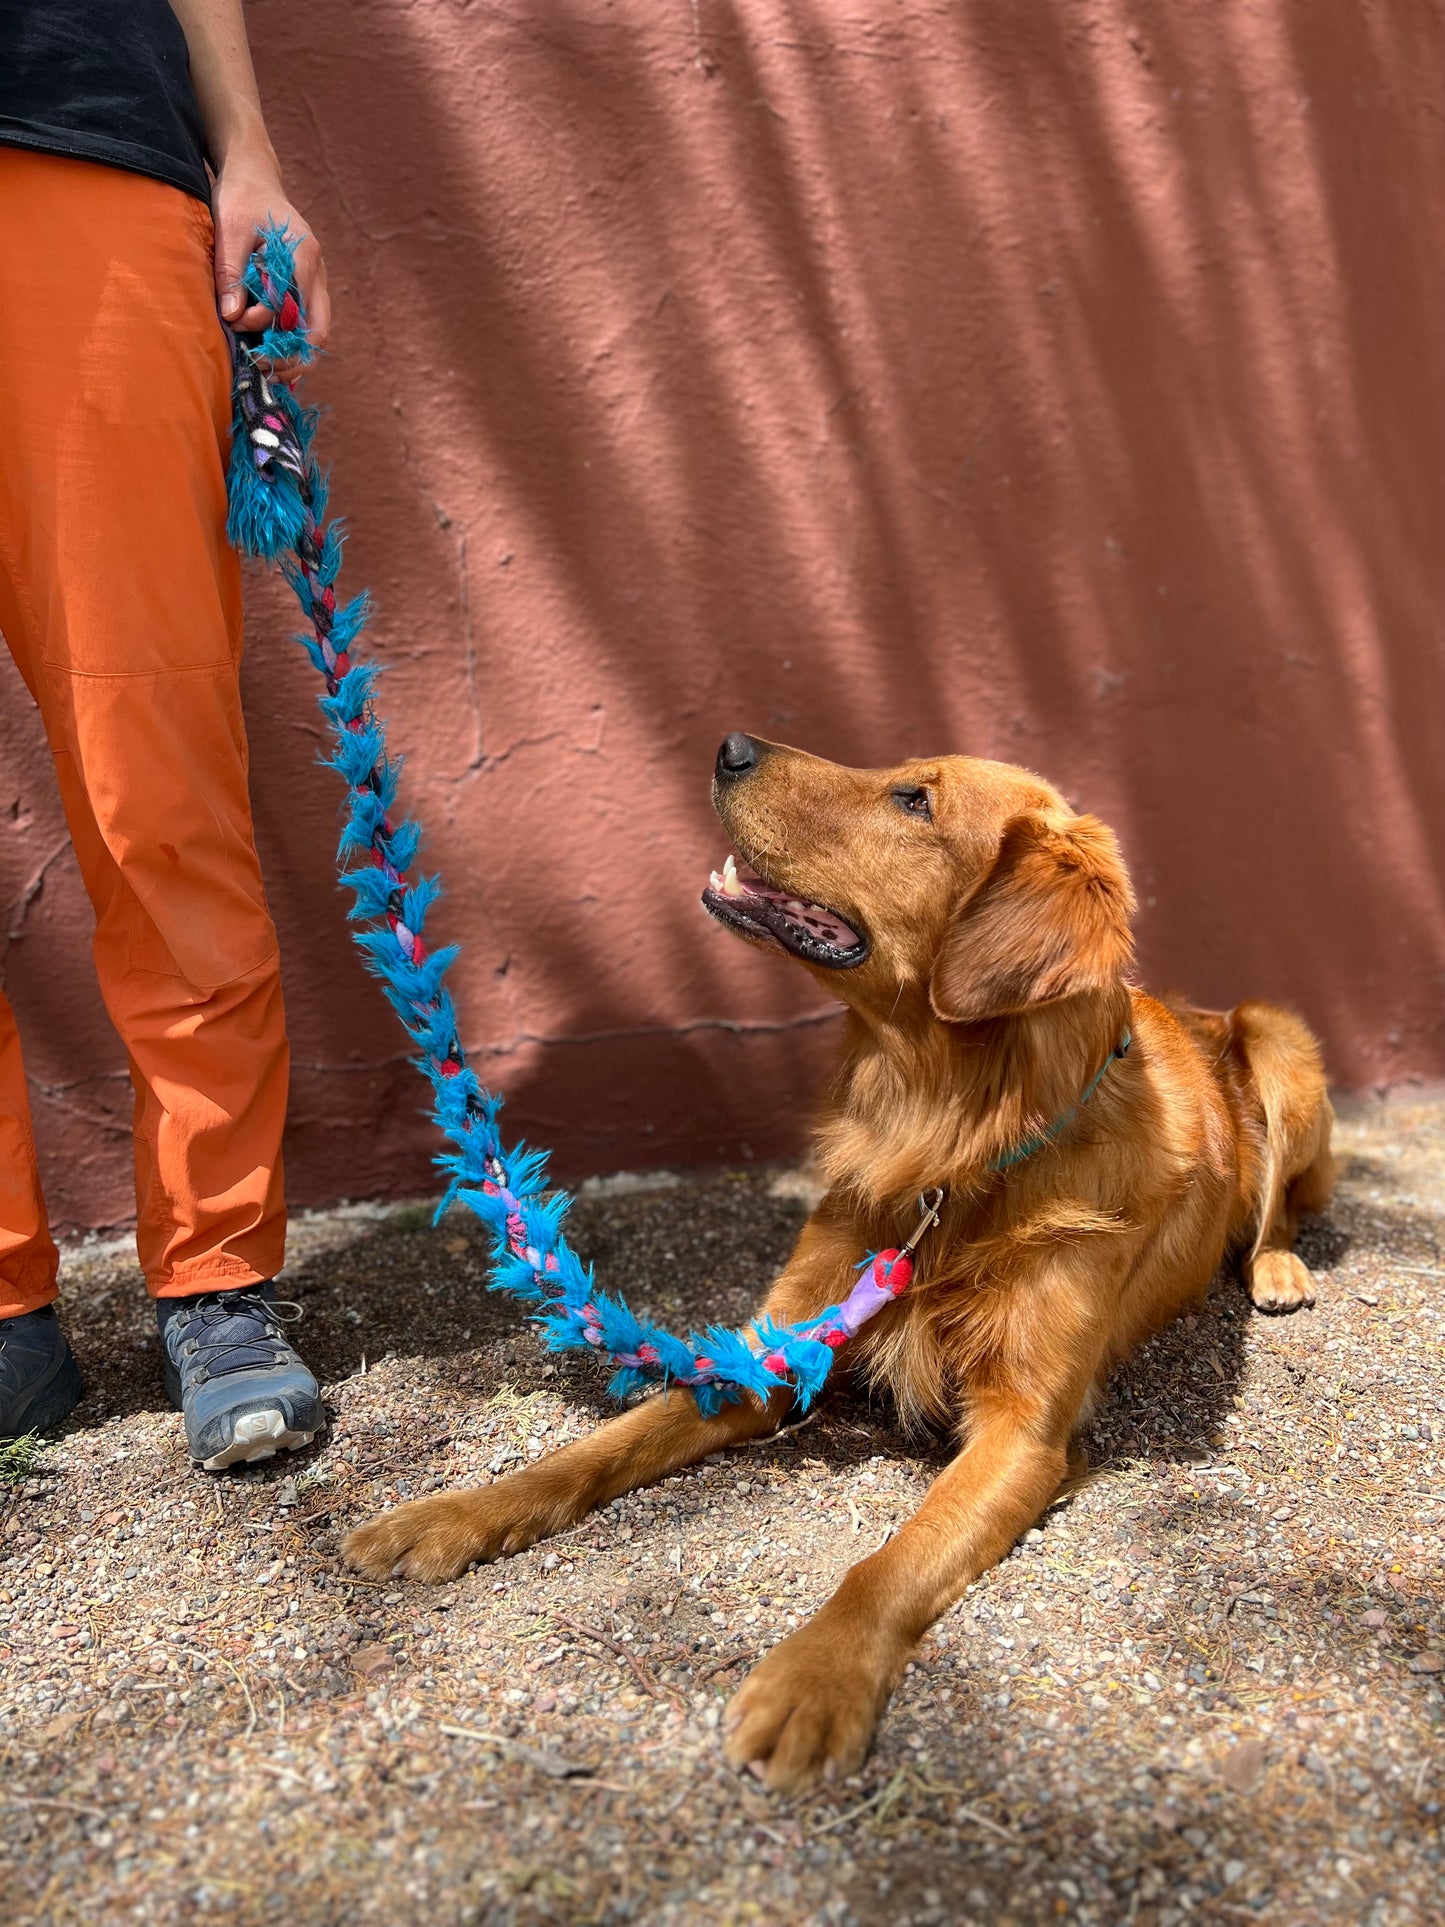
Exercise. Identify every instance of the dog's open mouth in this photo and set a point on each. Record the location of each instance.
(740, 898)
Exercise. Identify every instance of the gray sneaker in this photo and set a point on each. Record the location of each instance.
(244, 1391)
(39, 1378)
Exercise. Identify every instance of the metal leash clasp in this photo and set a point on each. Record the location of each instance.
(930, 1206)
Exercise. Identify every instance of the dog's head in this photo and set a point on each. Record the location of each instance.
(968, 883)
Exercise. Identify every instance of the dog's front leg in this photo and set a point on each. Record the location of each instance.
(809, 1708)
(438, 1537)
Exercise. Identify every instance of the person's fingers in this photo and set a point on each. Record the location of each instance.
(251, 321)
(235, 241)
(318, 316)
(311, 281)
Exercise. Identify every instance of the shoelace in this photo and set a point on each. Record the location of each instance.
(254, 1337)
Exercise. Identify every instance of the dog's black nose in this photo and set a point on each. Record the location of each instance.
(738, 755)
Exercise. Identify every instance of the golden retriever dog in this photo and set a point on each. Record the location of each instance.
(1099, 1151)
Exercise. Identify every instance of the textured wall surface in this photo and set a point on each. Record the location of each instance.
(1059, 382)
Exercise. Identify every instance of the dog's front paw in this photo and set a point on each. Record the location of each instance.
(1279, 1281)
(805, 1713)
(439, 1537)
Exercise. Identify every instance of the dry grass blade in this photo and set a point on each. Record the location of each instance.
(41, 1802)
(551, 1764)
(723, 1665)
(887, 1792)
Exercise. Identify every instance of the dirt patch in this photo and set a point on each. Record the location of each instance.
(1207, 1688)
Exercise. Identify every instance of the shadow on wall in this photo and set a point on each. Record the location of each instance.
(1017, 381)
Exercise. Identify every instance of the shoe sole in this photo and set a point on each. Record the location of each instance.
(258, 1435)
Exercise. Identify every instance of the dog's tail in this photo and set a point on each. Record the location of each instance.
(1296, 1169)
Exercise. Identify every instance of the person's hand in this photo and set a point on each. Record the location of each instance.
(246, 195)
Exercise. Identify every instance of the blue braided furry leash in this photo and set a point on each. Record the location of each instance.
(278, 510)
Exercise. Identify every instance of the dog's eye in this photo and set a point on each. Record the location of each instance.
(914, 803)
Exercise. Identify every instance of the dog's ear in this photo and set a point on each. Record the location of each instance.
(1049, 920)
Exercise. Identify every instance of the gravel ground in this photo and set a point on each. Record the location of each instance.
(1209, 1688)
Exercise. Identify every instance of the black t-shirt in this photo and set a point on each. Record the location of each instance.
(103, 80)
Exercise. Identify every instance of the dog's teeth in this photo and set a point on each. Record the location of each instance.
(715, 882)
(731, 883)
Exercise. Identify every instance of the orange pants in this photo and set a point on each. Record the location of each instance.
(120, 601)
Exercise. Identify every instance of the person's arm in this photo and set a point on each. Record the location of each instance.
(247, 189)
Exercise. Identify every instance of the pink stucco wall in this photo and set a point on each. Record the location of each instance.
(1059, 382)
